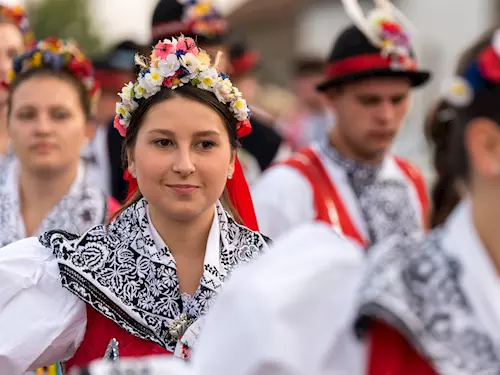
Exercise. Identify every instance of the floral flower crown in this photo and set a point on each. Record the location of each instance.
(482, 73)
(174, 63)
(17, 16)
(201, 17)
(57, 54)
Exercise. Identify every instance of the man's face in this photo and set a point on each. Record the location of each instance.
(369, 114)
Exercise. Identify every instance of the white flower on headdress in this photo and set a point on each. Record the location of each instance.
(496, 42)
(208, 79)
(149, 88)
(190, 62)
(237, 93)
(240, 109)
(139, 91)
(123, 110)
(169, 66)
(154, 77)
(458, 92)
(127, 92)
(224, 90)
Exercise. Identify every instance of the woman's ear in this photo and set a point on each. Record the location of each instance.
(482, 140)
(230, 170)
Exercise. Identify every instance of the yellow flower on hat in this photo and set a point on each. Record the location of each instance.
(36, 59)
(11, 75)
(200, 10)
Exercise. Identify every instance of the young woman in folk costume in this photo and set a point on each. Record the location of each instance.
(16, 37)
(422, 305)
(50, 103)
(155, 269)
(351, 180)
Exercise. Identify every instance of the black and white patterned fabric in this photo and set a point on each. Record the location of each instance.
(7, 160)
(82, 208)
(129, 275)
(418, 287)
(384, 203)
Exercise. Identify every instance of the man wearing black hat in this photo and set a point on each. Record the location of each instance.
(201, 21)
(350, 180)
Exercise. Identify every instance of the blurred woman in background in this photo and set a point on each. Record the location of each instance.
(15, 38)
(49, 109)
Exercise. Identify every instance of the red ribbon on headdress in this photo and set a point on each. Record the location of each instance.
(132, 184)
(241, 199)
(237, 189)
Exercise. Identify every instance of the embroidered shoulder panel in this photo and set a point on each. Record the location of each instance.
(121, 273)
(416, 286)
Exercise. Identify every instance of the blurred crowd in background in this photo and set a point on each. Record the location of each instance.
(288, 42)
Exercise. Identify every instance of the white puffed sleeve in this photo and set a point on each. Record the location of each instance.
(40, 321)
(289, 312)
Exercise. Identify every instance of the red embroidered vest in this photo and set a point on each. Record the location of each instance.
(389, 352)
(327, 201)
(100, 331)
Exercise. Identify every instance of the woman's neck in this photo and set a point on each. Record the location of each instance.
(486, 217)
(39, 193)
(185, 239)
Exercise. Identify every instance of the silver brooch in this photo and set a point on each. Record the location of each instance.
(112, 353)
(179, 326)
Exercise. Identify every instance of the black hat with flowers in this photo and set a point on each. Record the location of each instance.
(375, 46)
(198, 19)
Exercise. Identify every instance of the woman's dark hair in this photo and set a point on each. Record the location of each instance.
(64, 75)
(445, 128)
(444, 195)
(190, 92)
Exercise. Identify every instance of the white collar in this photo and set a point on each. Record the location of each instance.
(212, 250)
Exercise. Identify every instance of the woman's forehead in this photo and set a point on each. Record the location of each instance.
(182, 116)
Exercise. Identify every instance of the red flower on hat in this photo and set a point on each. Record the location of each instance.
(391, 27)
(489, 64)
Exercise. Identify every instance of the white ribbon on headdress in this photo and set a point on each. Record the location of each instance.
(383, 8)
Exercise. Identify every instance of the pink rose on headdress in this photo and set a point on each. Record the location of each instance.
(118, 126)
(162, 50)
(187, 45)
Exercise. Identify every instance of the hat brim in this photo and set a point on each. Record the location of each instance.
(417, 78)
